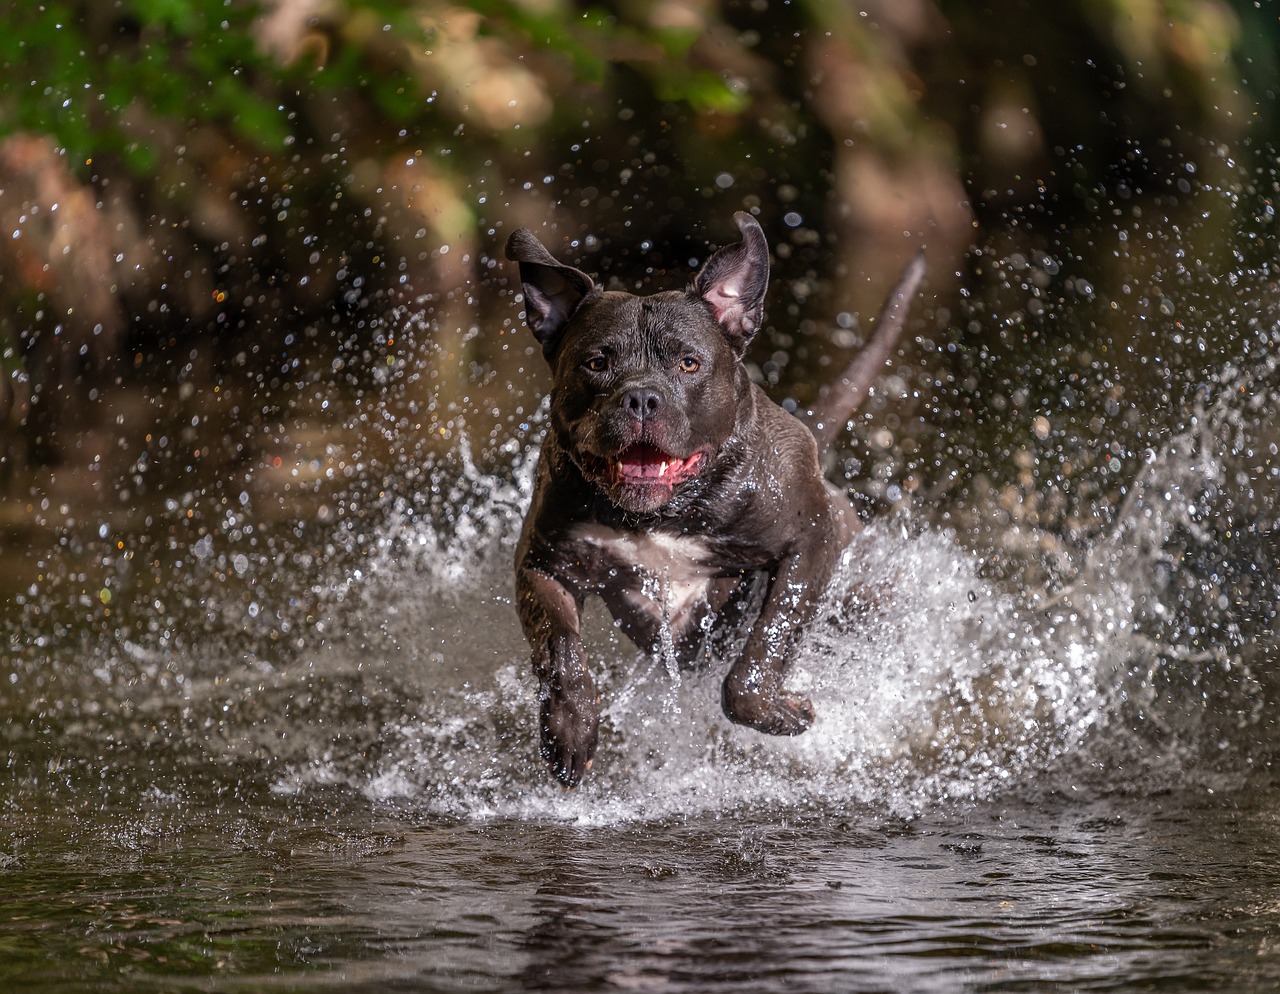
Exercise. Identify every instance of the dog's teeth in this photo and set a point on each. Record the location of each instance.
(662, 469)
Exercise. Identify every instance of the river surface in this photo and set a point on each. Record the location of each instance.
(268, 725)
(1179, 892)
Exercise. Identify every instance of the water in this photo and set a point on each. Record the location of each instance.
(281, 735)
(1172, 893)
(320, 773)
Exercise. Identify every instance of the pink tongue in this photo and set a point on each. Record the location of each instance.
(643, 462)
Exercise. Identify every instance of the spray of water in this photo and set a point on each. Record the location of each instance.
(934, 681)
(380, 654)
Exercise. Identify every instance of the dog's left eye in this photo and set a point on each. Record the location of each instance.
(597, 363)
(689, 364)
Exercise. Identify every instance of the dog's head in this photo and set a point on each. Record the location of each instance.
(646, 389)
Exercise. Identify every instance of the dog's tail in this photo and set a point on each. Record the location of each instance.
(827, 418)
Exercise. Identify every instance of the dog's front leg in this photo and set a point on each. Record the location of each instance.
(753, 694)
(550, 614)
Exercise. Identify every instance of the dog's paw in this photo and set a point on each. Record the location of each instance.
(776, 713)
(570, 728)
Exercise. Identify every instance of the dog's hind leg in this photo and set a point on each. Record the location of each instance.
(713, 627)
(732, 604)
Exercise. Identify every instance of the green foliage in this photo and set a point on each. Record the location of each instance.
(104, 79)
(582, 40)
(91, 76)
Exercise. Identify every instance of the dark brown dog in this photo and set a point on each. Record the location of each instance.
(673, 488)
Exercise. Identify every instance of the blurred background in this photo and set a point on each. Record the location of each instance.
(261, 243)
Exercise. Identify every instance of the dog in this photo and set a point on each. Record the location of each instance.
(673, 488)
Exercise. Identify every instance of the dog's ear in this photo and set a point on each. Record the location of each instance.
(733, 283)
(552, 290)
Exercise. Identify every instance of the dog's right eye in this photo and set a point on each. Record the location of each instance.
(597, 363)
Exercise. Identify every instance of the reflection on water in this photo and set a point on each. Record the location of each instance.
(1177, 892)
(271, 724)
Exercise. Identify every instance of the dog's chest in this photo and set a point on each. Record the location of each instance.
(661, 574)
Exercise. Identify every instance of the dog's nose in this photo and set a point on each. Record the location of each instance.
(642, 402)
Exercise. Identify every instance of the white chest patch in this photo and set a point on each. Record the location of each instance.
(673, 567)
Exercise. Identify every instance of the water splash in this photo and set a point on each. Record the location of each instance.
(381, 654)
(934, 680)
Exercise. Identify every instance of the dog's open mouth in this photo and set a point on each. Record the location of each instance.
(646, 465)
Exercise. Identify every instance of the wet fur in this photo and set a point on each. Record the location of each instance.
(674, 489)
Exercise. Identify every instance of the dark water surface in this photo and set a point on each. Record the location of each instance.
(1177, 892)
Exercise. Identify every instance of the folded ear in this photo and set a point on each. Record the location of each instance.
(552, 290)
(733, 283)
